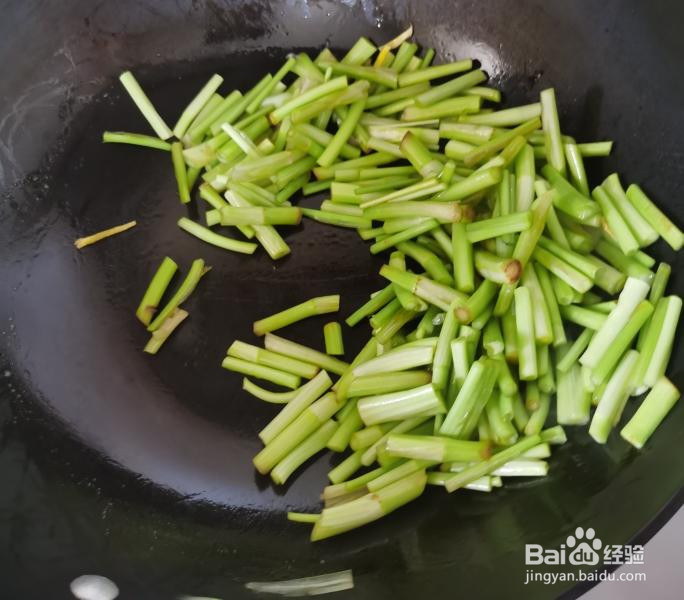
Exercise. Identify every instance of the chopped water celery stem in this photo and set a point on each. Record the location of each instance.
(305, 354)
(553, 143)
(155, 290)
(655, 217)
(267, 395)
(425, 401)
(334, 343)
(186, 288)
(135, 139)
(159, 336)
(101, 235)
(654, 408)
(276, 376)
(145, 106)
(196, 105)
(267, 358)
(211, 237)
(613, 398)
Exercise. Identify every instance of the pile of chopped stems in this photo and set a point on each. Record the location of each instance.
(516, 297)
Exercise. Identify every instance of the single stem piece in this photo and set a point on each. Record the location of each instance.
(525, 336)
(573, 156)
(477, 182)
(496, 461)
(595, 148)
(276, 376)
(568, 199)
(209, 236)
(552, 133)
(655, 217)
(344, 470)
(145, 106)
(413, 149)
(659, 284)
(401, 236)
(644, 233)
(626, 264)
(573, 400)
(314, 306)
(155, 290)
(619, 228)
(393, 381)
(423, 401)
(303, 353)
(196, 105)
(267, 358)
(586, 317)
(340, 220)
(563, 270)
(180, 172)
(497, 269)
(657, 345)
(538, 416)
(614, 397)
(159, 336)
(506, 117)
(135, 139)
(398, 359)
(450, 212)
(465, 132)
(342, 134)
(508, 328)
(101, 235)
(486, 93)
(450, 88)
(299, 517)
(633, 293)
(621, 342)
(498, 226)
(260, 216)
(334, 344)
(426, 73)
(441, 364)
(267, 395)
(446, 108)
(651, 412)
(468, 311)
(436, 449)
(524, 178)
(462, 255)
(379, 75)
(572, 354)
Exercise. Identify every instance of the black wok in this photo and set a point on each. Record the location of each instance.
(138, 467)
